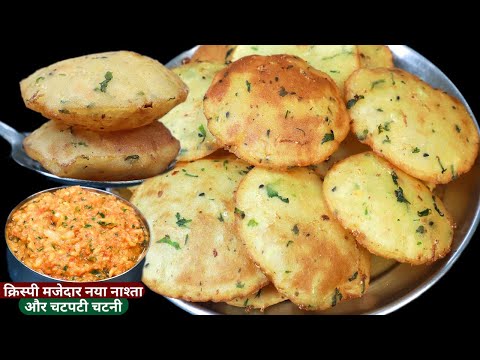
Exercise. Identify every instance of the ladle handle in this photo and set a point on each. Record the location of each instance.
(10, 134)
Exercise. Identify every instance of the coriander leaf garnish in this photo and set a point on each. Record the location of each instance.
(132, 158)
(295, 229)
(202, 133)
(337, 296)
(187, 174)
(252, 223)
(248, 85)
(400, 196)
(282, 92)
(103, 85)
(436, 207)
(220, 218)
(352, 102)
(457, 128)
(289, 242)
(239, 212)
(328, 137)
(363, 135)
(167, 240)
(271, 192)
(425, 212)
(415, 150)
(240, 285)
(421, 229)
(441, 166)
(354, 276)
(182, 222)
(377, 82)
(395, 178)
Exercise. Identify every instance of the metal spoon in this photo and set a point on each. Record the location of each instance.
(18, 154)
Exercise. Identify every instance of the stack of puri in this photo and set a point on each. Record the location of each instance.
(331, 157)
(103, 110)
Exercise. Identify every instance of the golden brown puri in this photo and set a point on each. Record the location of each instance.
(375, 56)
(290, 233)
(187, 121)
(423, 131)
(104, 92)
(391, 214)
(338, 61)
(195, 253)
(276, 111)
(78, 153)
(263, 298)
(213, 53)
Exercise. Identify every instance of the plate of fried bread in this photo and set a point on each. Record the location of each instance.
(309, 179)
(347, 178)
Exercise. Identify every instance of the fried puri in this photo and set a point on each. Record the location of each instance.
(290, 233)
(338, 61)
(104, 92)
(423, 131)
(390, 213)
(276, 111)
(195, 252)
(263, 298)
(375, 56)
(78, 153)
(213, 53)
(187, 121)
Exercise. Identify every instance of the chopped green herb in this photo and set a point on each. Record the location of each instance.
(395, 178)
(103, 223)
(295, 229)
(248, 85)
(271, 192)
(87, 226)
(167, 240)
(202, 133)
(104, 83)
(187, 174)
(421, 229)
(220, 218)
(186, 240)
(457, 128)
(380, 110)
(363, 135)
(400, 196)
(436, 207)
(393, 81)
(415, 150)
(337, 296)
(95, 272)
(140, 93)
(132, 158)
(425, 155)
(334, 189)
(239, 212)
(386, 140)
(454, 175)
(289, 242)
(425, 212)
(240, 285)
(252, 223)
(245, 303)
(377, 82)
(257, 295)
(354, 276)
(182, 222)
(352, 102)
(40, 78)
(254, 48)
(286, 113)
(328, 137)
(287, 271)
(441, 166)
(419, 243)
(282, 92)
(384, 127)
(64, 111)
(225, 163)
(228, 54)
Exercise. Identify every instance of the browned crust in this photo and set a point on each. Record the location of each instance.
(362, 239)
(213, 53)
(442, 179)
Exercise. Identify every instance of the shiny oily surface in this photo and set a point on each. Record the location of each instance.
(394, 285)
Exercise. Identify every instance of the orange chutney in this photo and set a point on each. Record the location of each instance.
(77, 234)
